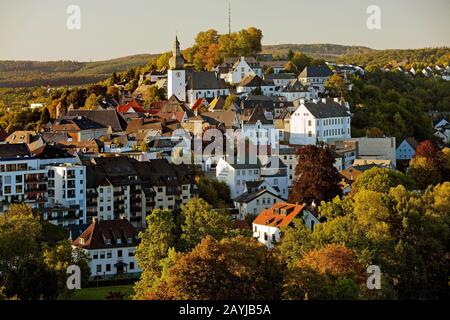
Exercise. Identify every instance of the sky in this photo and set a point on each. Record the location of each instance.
(37, 30)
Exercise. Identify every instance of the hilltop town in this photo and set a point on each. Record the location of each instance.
(249, 154)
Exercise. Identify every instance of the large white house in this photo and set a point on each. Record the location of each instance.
(295, 90)
(323, 120)
(234, 70)
(110, 247)
(252, 83)
(53, 182)
(237, 171)
(259, 128)
(315, 76)
(267, 226)
(205, 84)
(258, 196)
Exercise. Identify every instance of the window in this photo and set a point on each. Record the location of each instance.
(102, 254)
(18, 179)
(131, 265)
(108, 267)
(131, 252)
(109, 253)
(256, 229)
(95, 255)
(119, 253)
(99, 268)
(266, 237)
(273, 238)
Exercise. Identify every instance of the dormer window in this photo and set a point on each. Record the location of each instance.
(108, 242)
(130, 240)
(119, 241)
(82, 241)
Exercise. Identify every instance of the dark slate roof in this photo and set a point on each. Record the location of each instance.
(295, 86)
(53, 152)
(249, 196)
(108, 118)
(330, 109)
(14, 151)
(82, 123)
(254, 81)
(258, 114)
(316, 72)
(279, 76)
(205, 80)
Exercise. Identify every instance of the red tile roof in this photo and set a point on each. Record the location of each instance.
(280, 215)
(133, 104)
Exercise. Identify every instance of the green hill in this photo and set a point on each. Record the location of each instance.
(59, 73)
(319, 51)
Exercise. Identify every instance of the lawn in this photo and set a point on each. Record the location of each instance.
(102, 292)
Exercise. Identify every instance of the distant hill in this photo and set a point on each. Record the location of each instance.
(327, 51)
(59, 73)
(417, 58)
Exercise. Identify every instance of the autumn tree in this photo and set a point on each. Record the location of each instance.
(428, 167)
(403, 232)
(336, 85)
(231, 269)
(316, 178)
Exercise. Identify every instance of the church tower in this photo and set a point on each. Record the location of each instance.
(176, 82)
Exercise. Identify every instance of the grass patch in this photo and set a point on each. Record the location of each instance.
(102, 292)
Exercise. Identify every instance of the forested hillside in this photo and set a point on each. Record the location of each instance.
(417, 58)
(61, 73)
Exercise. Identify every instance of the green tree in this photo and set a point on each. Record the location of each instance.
(155, 244)
(200, 220)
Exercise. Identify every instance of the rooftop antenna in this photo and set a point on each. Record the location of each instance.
(229, 16)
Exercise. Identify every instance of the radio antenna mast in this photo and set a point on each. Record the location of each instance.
(229, 16)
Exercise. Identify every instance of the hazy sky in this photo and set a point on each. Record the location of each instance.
(36, 29)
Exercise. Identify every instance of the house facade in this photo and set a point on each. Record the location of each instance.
(323, 120)
(110, 247)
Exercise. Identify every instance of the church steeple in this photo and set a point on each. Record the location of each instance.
(176, 62)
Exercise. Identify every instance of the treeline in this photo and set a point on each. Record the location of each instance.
(417, 58)
(396, 104)
(317, 51)
(62, 73)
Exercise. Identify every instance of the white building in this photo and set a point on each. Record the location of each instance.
(259, 128)
(176, 76)
(407, 149)
(252, 83)
(234, 72)
(205, 85)
(267, 226)
(258, 196)
(383, 149)
(295, 90)
(236, 172)
(29, 179)
(110, 247)
(66, 192)
(315, 76)
(323, 120)
(280, 80)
